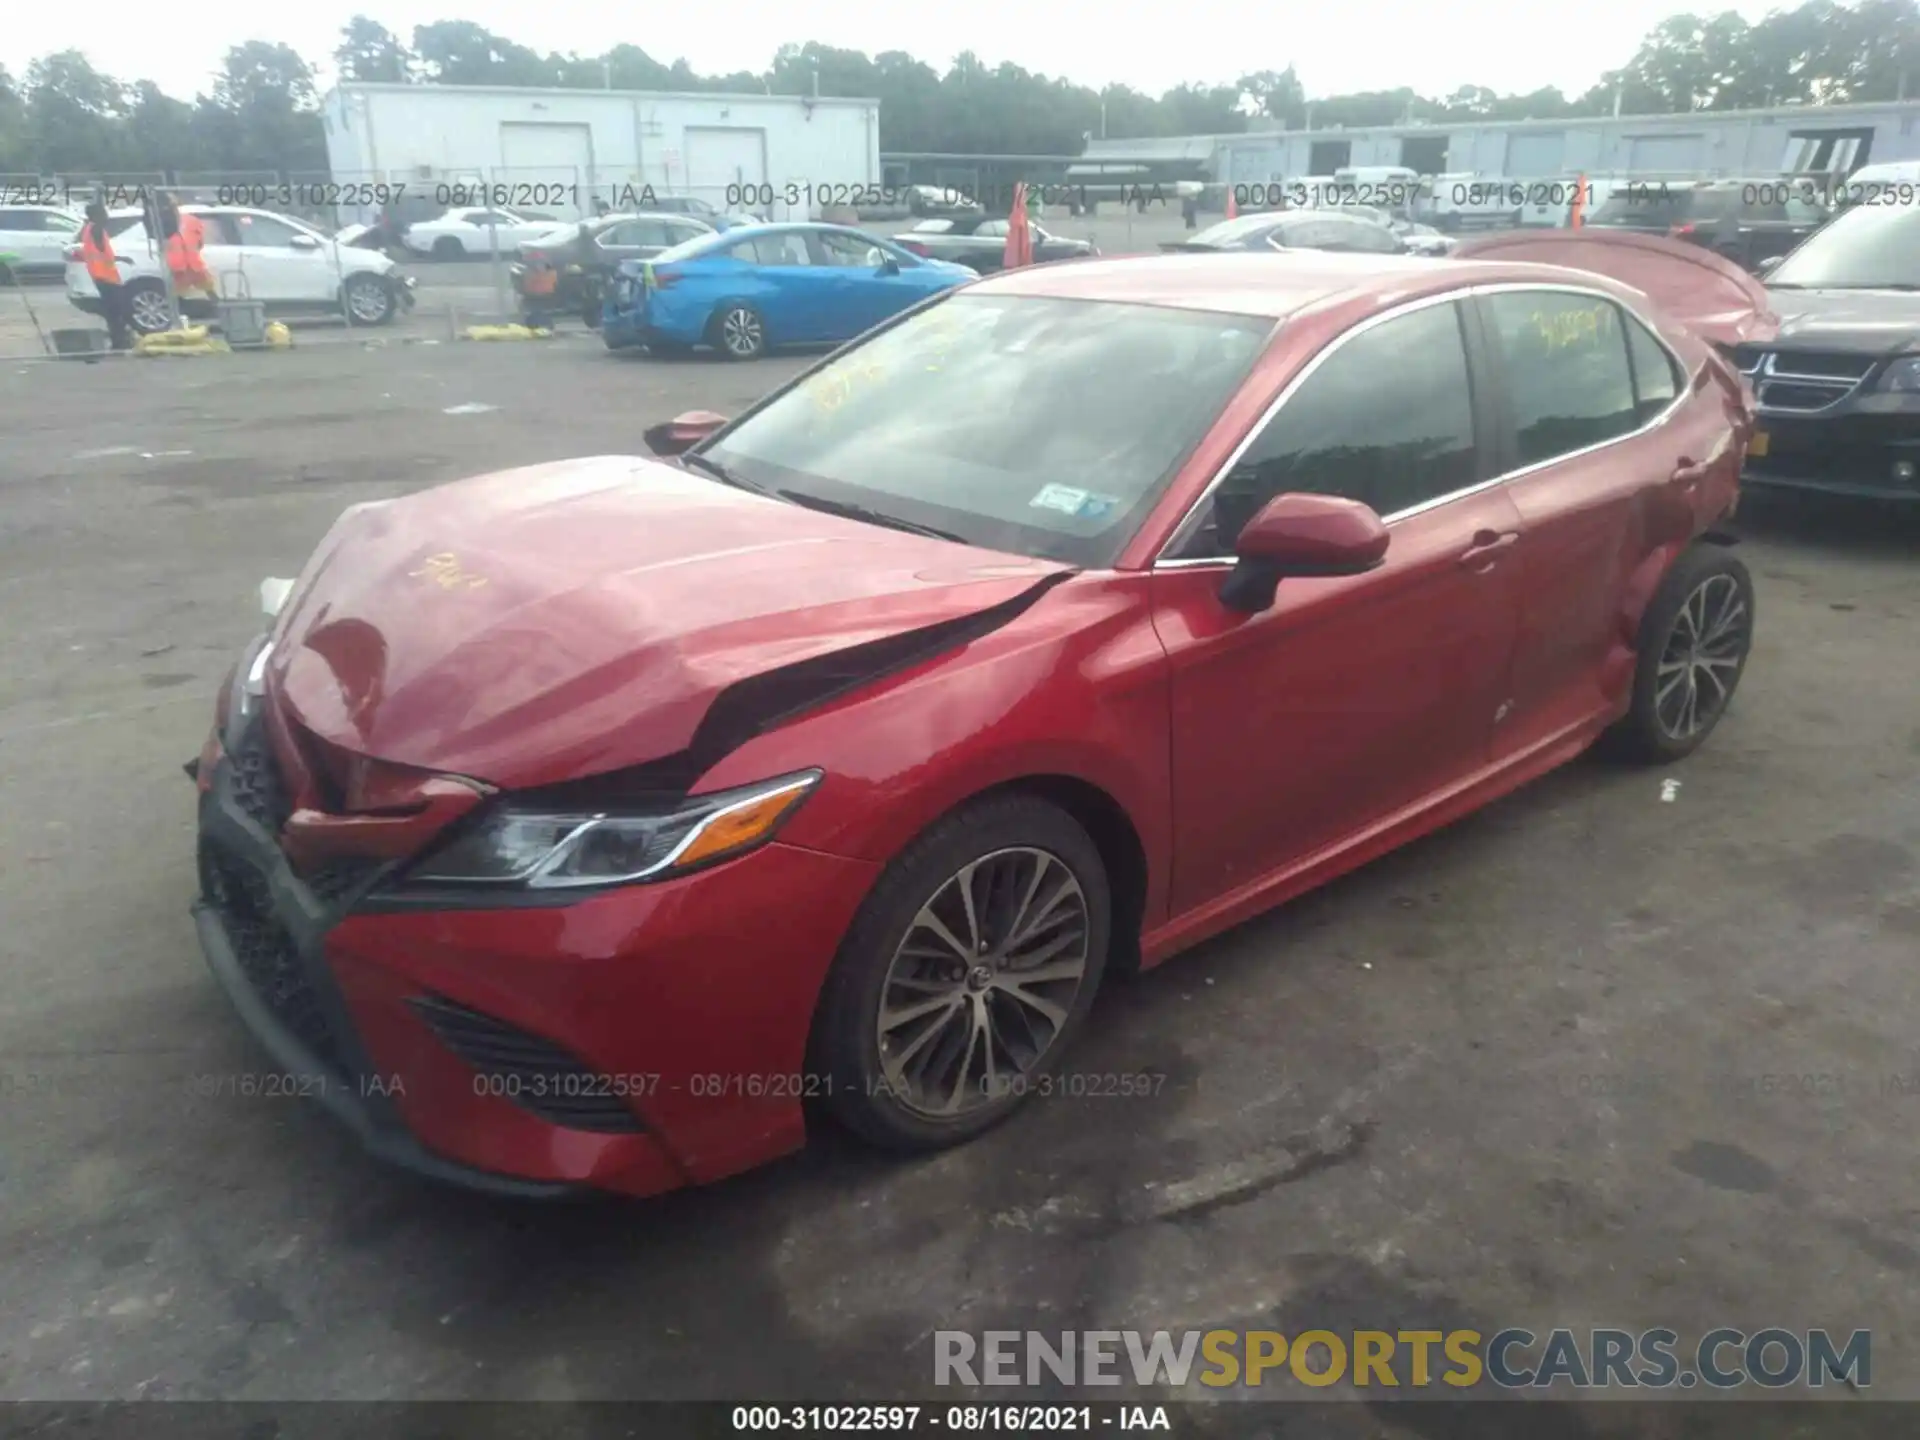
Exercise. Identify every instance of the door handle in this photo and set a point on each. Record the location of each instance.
(1486, 548)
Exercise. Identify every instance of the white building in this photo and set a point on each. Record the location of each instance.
(555, 151)
(1736, 143)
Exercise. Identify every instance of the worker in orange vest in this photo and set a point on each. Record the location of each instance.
(103, 268)
(186, 236)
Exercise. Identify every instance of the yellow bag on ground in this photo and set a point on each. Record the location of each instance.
(506, 332)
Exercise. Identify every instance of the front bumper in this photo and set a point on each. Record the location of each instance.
(665, 1025)
(1852, 453)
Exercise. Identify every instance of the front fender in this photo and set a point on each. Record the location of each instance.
(1075, 687)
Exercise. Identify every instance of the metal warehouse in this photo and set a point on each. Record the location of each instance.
(555, 150)
(1835, 139)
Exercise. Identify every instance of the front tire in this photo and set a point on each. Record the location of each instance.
(1693, 648)
(739, 333)
(925, 1047)
(368, 300)
(447, 249)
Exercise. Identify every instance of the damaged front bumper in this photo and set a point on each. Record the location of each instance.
(262, 929)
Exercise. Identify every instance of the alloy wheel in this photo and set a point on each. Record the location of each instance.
(148, 312)
(1701, 661)
(983, 982)
(740, 333)
(368, 301)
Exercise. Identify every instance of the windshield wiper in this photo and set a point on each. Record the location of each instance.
(722, 473)
(872, 517)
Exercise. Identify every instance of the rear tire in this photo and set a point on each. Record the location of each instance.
(738, 332)
(147, 307)
(923, 1047)
(1693, 647)
(446, 249)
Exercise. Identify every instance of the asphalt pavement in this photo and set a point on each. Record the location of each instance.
(1630, 1048)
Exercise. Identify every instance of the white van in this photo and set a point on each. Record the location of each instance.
(1466, 201)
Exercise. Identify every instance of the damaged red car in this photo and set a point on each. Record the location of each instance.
(605, 823)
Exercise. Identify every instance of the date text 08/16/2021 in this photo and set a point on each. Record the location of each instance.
(953, 1419)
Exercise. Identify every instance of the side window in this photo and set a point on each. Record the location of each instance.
(221, 230)
(679, 234)
(14, 220)
(1657, 381)
(992, 229)
(1386, 419)
(848, 251)
(783, 249)
(1566, 370)
(261, 230)
(1372, 239)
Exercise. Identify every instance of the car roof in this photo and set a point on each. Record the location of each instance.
(1274, 286)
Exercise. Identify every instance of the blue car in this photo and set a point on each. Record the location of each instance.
(754, 287)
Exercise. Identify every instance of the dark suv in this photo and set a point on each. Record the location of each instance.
(1748, 221)
(1838, 389)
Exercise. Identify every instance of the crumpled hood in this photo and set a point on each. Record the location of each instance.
(1858, 322)
(563, 620)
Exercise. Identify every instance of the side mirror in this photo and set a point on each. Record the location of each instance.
(889, 266)
(683, 432)
(1768, 265)
(304, 242)
(1302, 535)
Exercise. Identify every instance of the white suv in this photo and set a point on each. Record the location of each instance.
(38, 235)
(290, 267)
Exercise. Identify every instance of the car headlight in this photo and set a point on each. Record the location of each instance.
(1903, 376)
(539, 848)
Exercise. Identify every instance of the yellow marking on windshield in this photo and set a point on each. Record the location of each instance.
(446, 571)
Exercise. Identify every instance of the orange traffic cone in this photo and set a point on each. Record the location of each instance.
(1233, 210)
(1576, 216)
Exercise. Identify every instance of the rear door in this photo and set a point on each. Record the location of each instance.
(796, 297)
(1352, 699)
(1599, 442)
(40, 238)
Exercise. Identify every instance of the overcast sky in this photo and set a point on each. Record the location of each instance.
(1149, 44)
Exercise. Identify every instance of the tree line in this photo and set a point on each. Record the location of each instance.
(63, 116)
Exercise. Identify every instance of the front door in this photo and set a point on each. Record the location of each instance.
(1356, 698)
(281, 264)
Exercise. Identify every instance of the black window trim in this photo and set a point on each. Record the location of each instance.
(1482, 374)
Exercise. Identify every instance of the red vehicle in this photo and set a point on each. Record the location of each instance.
(596, 823)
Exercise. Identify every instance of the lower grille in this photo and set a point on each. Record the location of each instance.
(257, 785)
(266, 953)
(535, 1074)
(341, 880)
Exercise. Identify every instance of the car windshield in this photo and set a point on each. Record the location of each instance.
(1230, 232)
(1868, 247)
(1039, 426)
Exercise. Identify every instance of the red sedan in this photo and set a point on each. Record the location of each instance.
(595, 824)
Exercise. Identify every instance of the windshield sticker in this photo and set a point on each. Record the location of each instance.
(1063, 498)
(1098, 507)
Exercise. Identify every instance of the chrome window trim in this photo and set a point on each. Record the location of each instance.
(1180, 531)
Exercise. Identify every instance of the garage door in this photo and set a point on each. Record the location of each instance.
(720, 157)
(548, 168)
(1536, 156)
(1684, 154)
